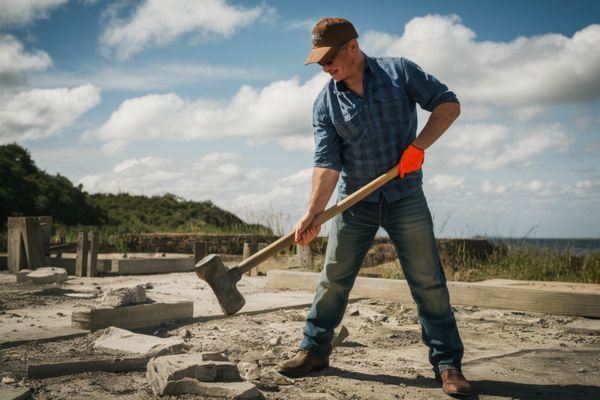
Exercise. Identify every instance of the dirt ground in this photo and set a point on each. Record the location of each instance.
(508, 354)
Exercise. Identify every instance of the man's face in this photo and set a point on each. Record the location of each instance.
(339, 67)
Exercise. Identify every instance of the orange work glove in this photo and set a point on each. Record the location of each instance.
(411, 160)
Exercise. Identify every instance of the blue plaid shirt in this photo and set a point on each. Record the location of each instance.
(364, 137)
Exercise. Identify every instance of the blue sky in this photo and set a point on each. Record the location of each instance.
(210, 100)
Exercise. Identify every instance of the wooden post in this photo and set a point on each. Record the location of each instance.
(306, 257)
(82, 254)
(16, 251)
(25, 248)
(199, 251)
(32, 238)
(247, 252)
(249, 249)
(46, 233)
(254, 272)
(92, 264)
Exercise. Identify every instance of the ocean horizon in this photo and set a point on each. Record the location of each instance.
(575, 246)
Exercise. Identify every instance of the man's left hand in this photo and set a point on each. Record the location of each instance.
(411, 160)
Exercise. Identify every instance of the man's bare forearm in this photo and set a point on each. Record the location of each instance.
(323, 185)
(439, 121)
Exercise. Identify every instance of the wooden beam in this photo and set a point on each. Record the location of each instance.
(546, 297)
(72, 367)
(129, 317)
(200, 250)
(139, 266)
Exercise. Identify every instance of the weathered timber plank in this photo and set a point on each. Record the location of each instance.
(580, 300)
(137, 316)
(71, 367)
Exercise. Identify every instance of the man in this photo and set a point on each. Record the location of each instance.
(365, 122)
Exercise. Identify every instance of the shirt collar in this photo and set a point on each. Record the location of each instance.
(368, 69)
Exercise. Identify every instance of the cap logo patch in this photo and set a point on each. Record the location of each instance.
(316, 37)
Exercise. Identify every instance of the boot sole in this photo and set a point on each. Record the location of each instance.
(294, 374)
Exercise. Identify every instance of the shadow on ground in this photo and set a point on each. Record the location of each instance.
(521, 391)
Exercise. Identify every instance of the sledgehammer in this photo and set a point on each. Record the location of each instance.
(223, 280)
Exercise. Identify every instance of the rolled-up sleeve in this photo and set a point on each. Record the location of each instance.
(424, 88)
(327, 142)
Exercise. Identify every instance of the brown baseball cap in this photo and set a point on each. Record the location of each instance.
(328, 35)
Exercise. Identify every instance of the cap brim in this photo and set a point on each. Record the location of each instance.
(318, 54)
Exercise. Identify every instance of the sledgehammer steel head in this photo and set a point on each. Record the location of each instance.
(223, 282)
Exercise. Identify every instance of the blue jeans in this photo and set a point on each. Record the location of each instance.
(410, 227)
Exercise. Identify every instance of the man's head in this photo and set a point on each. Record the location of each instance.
(328, 36)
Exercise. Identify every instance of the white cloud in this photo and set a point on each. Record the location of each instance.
(220, 177)
(305, 25)
(15, 62)
(41, 113)
(489, 187)
(298, 142)
(23, 12)
(544, 69)
(30, 114)
(489, 147)
(278, 111)
(524, 114)
(154, 76)
(443, 182)
(157, 23)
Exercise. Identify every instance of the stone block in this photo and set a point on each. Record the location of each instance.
(188, 373)
(125, 296)
(123, 340)
(47, 275)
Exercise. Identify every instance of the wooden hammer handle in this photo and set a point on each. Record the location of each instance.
(320, 218)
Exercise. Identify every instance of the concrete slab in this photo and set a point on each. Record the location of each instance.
(47, 275)
(126, 341)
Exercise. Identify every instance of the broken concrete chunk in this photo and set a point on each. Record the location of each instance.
(165, 373)
(275, 341)
(125, 296)
(123, 340)
(47, 275)
(282, 380)
(249, 371)
(340, 335)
